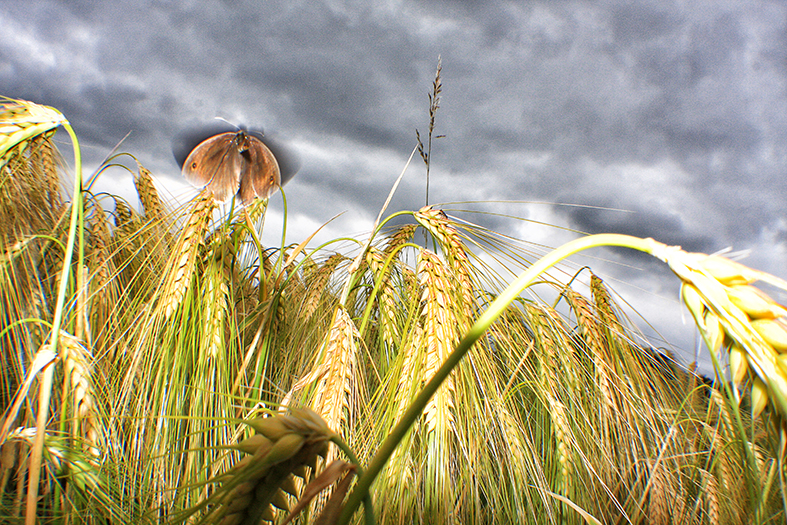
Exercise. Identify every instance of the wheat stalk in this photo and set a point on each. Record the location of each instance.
(400, 473)
(711, 496)
(262, 481)
(317, 282)
(604, 307)
(660, 493)
(148, 195)
(440, 334)
(336, 393)
(401, 236)
(557, 353)
(50, 159)
(21, 120)
(78, 365)
(124, 216)
(401, 468)
(386, 300)
(103, 286)
(725, 307)
(561, 430)
(100, 238)
(215, 294)
(410, 376)
(589, 325)
(444, 231)
(183, 260)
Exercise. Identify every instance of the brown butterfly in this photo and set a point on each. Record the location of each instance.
(233, 162)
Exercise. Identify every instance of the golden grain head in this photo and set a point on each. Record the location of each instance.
(754, 302)
(252, 444)
(715, 289)
(713, 332)
(271, 427)
(759, 396)
(21, 120)
(739, 366)
(726, 271)
(773, 332)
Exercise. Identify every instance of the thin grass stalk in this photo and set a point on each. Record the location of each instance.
(434, 105)
(48, 120)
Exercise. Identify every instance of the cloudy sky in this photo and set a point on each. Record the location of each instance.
(653, 118)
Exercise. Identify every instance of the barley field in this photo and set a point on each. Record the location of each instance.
(163, 366)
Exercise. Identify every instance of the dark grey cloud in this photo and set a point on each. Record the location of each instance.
(674, 113)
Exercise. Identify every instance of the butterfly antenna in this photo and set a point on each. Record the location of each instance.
(228, 122)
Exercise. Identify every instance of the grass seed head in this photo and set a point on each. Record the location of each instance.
(713, 332)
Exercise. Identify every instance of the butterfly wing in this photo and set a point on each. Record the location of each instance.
(259, 172)
(215, 163)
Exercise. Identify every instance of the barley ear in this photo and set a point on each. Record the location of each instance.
(148, 195)
(21, 120)
(182, 262)
(336, 393)
(718, 294)
(260, 483)
(440, 335)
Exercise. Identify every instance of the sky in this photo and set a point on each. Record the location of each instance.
(661, 119)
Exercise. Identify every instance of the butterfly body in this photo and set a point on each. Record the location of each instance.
(233, 163)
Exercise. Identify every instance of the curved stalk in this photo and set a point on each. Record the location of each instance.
(45, 390)
(494, 310)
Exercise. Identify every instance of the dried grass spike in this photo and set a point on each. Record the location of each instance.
(183, 260)
(605, 306)
(398, 238)
(317, 281)
(21, 120)
(148, 195)
(336, 392)
(440, 335)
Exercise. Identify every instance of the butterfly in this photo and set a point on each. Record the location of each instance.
(233, 163)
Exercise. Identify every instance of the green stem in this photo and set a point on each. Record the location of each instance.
(45, 390)
(494, 310)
